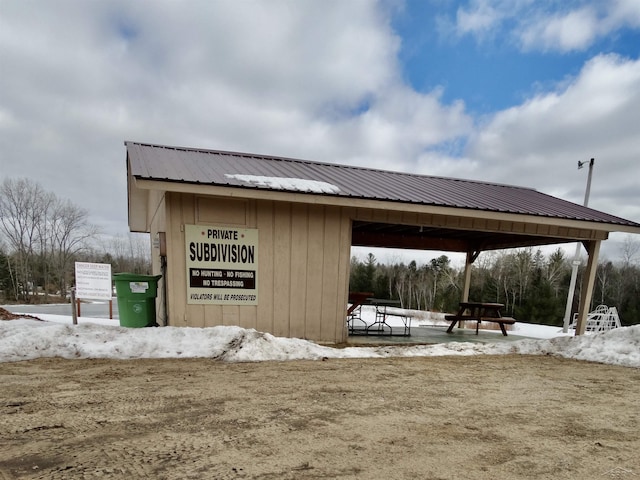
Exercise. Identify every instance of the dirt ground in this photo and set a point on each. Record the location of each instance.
(482, 417)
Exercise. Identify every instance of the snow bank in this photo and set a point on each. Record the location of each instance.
(27, 339)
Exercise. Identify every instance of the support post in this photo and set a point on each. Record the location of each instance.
(472, 256)
(74, 313)
(593, 250)
(467, 276)
(575, 263)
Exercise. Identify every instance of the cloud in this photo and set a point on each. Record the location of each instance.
(481, 18)
(625, 12)
(575, 30)
(595, 115)
(85, 76)
(546, 25)
(281, 78)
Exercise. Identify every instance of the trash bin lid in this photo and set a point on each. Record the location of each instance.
(134, 277)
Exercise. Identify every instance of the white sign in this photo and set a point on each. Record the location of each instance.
(222, 265)
(139, 287)
(93, 281)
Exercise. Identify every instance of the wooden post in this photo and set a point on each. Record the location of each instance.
(78, 307)
(467, 277)
(593, 250)
(110, 309)
(73, 306)
(472, 256)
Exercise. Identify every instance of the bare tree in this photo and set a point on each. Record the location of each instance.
(7, 285)
(630, 251)
(626, 278)
(23, 207)
(555, 267)
(604, 272)
(401, 283)
(44, 234)
(70, 231)
(128, 254)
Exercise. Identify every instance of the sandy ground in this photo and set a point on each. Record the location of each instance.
(503, 417)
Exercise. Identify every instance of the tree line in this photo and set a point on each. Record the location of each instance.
(532, 286)
(43, 235)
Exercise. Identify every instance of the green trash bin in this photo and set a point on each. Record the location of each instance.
(136, 299)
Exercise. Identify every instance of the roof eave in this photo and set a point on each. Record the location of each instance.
(344, 201)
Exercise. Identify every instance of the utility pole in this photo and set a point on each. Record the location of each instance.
(576, 258)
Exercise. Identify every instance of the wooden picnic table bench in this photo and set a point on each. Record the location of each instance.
(480, 312)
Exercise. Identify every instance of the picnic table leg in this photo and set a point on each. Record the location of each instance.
(453, 324)
(504, 330)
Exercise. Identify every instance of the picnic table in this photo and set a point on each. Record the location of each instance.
(383, 310)
(354, 312)
(480, 312)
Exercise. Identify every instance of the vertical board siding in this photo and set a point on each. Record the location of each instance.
(303, 269)
(212, 315)
(176, 262)
(315, 261)
(248, 314)
(264, 222)
(158, 224)
(248, 317)
(222, 211)
(281, 269)
(230, 315)
(299, 271)
(188, 209)
(330, 265)
(343, 274)
(195, 313)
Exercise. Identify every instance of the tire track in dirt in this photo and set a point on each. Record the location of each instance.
(481, 417)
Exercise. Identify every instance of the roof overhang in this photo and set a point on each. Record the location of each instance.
(404, 225)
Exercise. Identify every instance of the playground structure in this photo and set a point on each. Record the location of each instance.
(602, 319)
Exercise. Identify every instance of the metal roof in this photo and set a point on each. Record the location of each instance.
(249, 171)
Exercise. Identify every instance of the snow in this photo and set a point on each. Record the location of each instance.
(290, 184)
(56, 336)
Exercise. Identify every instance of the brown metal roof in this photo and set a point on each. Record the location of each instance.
(220, 168)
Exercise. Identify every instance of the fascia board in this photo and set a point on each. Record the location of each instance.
(295, 197)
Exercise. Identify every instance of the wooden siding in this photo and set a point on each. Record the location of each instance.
(177, 215)
(331, 285)
(266, 229)
(281, 258)
(222, 211)
(157, 205)
(303, 266)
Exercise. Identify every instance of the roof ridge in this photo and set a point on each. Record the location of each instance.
(328, 164)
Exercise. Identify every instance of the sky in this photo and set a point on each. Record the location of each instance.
(56, 336)
(514, 92)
